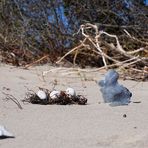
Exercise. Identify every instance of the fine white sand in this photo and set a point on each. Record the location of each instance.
(95, 125)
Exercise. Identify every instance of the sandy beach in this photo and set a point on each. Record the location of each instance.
(95, 125)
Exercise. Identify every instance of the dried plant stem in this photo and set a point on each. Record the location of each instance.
(11, 97)
(81, 45)
(35, 62)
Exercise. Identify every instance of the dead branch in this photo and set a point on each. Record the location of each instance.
(72, 50)
(93, 41)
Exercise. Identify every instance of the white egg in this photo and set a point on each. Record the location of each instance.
(4, 132)
(54, 94)
(42, 95)
(70, 91)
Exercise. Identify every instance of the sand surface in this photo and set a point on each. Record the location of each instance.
(95, 125)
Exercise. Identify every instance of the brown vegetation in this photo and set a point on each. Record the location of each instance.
(114, 34)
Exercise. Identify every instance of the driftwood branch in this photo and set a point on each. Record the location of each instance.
(93, 40)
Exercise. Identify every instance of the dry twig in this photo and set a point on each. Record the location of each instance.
(35, 62)
(93, 42)
(11, 97)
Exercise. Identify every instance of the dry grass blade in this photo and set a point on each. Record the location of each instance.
(11, 97)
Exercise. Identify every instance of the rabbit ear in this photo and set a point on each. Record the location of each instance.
(111, 77)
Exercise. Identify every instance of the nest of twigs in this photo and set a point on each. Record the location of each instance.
(62, 99)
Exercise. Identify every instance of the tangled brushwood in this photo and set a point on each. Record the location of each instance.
(37, 32)
(44, 97)
(108, 50)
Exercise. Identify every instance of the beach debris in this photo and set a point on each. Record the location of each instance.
(41, 97)
(4, 133)
(112, 91)
(44, 96)
(124, 116)
(11, 97)
(6, 88)
(81, 99)
(136, 101)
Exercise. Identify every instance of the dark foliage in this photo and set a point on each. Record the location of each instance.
(30, 29)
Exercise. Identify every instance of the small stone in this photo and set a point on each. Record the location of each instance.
(124, 115)
(71, 92)
(55, 94)
(42, 95)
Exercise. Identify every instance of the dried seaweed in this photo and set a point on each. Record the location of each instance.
(62, 99)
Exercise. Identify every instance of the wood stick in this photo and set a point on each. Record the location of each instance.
(35, 62)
